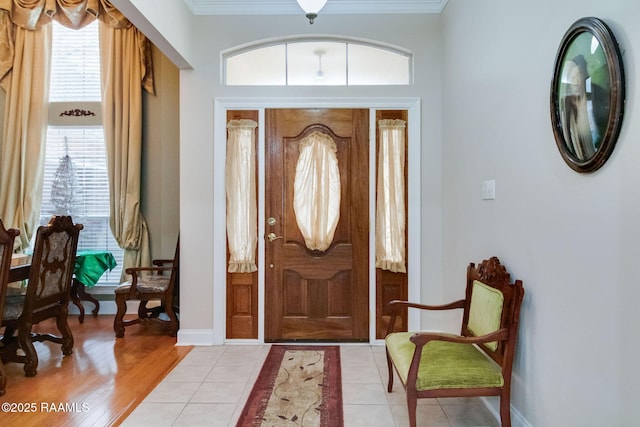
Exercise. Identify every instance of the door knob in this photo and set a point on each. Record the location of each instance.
(272, 237)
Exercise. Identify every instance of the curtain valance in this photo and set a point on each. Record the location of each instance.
(34, 14)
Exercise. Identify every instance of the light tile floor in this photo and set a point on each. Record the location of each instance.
(211, 384)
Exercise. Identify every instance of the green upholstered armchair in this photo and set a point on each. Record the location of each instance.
(475, 363)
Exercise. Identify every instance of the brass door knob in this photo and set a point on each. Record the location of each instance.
(272, 237)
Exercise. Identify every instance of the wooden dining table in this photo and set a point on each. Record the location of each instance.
(90, 265)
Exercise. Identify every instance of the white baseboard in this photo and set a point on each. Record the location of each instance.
(204, 337)
(106, 307)
(517, 419)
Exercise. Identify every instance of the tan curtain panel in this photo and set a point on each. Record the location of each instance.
(25, 122)
(316, 197)
(242, 211)
(390, 205)
(7, 47)
(123, 68)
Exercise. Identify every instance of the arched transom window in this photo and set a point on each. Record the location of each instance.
(312, 61)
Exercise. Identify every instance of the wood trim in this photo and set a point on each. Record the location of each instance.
(242, 288)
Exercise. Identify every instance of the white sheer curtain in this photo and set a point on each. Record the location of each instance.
(316, 197)
(390, 206)
(242, 212)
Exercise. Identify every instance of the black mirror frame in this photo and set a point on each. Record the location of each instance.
(605, 37)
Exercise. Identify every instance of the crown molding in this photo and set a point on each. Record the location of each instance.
(290, 7)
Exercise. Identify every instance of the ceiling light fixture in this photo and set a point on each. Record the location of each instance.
(311, 8)
(320, 76)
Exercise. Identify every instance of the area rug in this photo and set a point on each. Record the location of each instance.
(297, 386)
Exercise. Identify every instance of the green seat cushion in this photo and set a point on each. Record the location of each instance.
(443, 364)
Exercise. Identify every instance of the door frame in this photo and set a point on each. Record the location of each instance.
(218, 265)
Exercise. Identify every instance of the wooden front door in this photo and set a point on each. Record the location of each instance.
(311, 294)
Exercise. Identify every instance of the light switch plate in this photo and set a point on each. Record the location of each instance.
(488, 190)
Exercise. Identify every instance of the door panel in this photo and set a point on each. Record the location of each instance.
(314, 295)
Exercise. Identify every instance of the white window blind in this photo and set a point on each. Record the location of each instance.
(75, 64)
(75, 130)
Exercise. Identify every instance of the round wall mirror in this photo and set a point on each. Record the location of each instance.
(587, 95)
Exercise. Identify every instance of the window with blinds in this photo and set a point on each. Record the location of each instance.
(75, 64)
(75, 174)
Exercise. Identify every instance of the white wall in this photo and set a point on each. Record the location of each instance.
(167, 26)
(571, 238)
(160, 198)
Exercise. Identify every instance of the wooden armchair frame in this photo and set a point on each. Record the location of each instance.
(153, 312)
(492, 274)
(160, 287)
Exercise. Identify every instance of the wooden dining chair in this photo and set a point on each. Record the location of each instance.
(47, 295)
(157, 283)
(7, 238)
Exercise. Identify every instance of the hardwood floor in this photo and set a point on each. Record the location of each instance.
(98, 385)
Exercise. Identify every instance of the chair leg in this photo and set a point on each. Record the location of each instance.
(412, 402)
(65, 331)
(173, 319)
(30, 354)
(75, 299)
(3, 379)
(8, 334)
(505, 411)
(142, 310)
(121, 303)
(390, 368)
